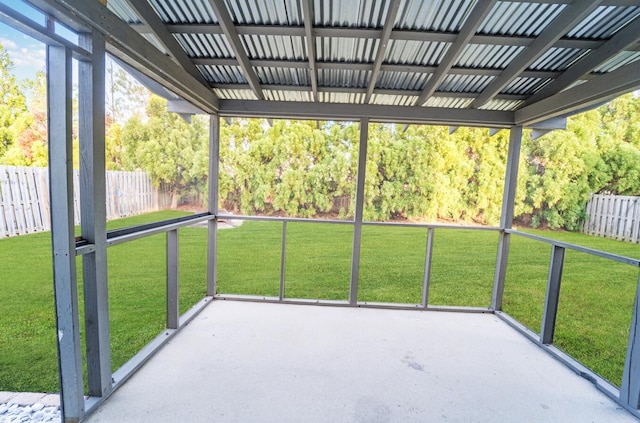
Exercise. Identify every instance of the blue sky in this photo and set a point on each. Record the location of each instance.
(26, 53)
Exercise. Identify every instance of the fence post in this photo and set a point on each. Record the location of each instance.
(552, 296)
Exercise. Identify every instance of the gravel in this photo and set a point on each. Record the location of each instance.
(12, 412)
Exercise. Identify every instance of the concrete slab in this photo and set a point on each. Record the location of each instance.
(27, 398)
(250, 362)
(6, 396)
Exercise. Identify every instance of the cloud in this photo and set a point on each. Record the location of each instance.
(8, 44)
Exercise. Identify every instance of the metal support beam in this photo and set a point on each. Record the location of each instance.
(231, 33)
(91, 97)
(144, 10)
(212, 226)
(310, 39)
(573, 14)
(283, 259)
(392, 11)
(173, 312)
(621, 40)
(357, 224)
(427, 268)
(393, 114)
(59, 98)
(506, 216)
(592, 92)
(552, 297)
(630, 387)
(468, 30)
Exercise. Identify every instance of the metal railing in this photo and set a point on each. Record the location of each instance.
(174, 320)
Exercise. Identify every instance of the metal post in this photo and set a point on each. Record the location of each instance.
(212, 226)
(427, 268)
(91, 95)
(173, 312)
(506, 217)
(283, 257)
(630, 387)
(59, 86)
(357, 223)
(553, 295)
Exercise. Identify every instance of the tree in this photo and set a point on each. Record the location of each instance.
(13, 109)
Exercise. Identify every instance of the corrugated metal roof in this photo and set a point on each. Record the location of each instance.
(465, 83)
(265, 12)
(415, 52)
(351, 13)
(525, 85)
(557, 59)
(422, 33)
(487, 56)
(340, 49)
(343, 78)
(205, 45)
(275, 47)
(184, 11)
(223, 74)
(438, 15)
(604, 22)
(402, 80)
(621, 59)
(519, 18)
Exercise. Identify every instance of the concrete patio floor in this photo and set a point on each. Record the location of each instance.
(257, 362)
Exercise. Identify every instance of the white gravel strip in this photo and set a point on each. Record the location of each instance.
(19, 407)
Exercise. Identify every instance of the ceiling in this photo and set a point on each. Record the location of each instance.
(479, 62)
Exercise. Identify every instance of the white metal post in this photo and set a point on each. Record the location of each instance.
(59, 94)
(552, 297)
(173, 312)
(91, 80)
(212, 226)
(357, 224)
(506, 217)
(630, 386)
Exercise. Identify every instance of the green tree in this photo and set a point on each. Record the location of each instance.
(13, 108)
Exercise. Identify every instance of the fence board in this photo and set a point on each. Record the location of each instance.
(613, 216)
(24, 198)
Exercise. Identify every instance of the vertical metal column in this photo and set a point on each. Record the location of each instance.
(357, 223)
(212, 225)
(552, 296)
(427, 268)
(59, 86)
(630, 386)
(91, 93)
(283, 259)
(506, 217)
(173, 312)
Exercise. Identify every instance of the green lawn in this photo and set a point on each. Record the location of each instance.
(593, 321)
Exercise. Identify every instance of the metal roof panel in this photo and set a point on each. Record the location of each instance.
(519, 18)
(340, 49)
(438, 15)
(487, 56)
(415, 52)
(351, 13)
(205, 45)
(603, 22)
(402, 80)
(184, 11)
(279, 47)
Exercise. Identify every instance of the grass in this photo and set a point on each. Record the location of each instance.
(593, 321)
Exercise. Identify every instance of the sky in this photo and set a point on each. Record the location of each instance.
(26, 53)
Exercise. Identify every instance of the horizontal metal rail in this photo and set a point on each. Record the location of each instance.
(598, 253)
(282, 219)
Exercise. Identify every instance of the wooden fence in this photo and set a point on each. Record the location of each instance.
(24, 198)
(613, 216)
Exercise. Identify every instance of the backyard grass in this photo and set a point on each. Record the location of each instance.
(593, 321)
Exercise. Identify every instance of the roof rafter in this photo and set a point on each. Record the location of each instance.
(593, 92)
(620, 41)
(568, 18)
(392, 11)
(311, 46)
(477, 15)
(231, 33)
(158, 28)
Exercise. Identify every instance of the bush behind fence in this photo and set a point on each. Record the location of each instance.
(24, 198)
